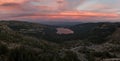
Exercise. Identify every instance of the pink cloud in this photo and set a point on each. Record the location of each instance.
(54, 10)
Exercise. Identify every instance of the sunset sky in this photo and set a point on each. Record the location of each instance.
(60, 10)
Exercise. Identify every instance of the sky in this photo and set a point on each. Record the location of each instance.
(60, 10)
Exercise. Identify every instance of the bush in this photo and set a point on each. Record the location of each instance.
(3, 49)
(22, 54)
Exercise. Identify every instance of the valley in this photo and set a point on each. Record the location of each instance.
(27, 41)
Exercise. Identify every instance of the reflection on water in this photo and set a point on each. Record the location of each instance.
(64, 31)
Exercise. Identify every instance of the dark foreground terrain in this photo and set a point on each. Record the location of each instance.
(24, 41)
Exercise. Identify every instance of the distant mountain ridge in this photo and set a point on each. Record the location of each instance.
(54, 23)
(81, 31)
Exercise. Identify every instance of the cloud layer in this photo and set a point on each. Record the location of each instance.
(58, 10)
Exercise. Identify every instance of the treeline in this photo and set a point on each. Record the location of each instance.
(28, 54)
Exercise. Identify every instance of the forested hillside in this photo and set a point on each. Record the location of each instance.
(25, 41)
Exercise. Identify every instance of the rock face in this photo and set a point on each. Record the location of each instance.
(115, 37)
(112, 59)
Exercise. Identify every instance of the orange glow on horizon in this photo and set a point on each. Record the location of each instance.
(75, 15)
(88, 14)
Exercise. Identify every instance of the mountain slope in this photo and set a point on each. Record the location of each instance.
(15, 46)
(24, 41)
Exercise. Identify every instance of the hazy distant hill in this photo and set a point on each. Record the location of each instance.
(61, 23)
(25, 41)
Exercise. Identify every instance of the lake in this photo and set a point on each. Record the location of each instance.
(64, 31)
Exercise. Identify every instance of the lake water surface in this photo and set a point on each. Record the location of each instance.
(64, 31)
